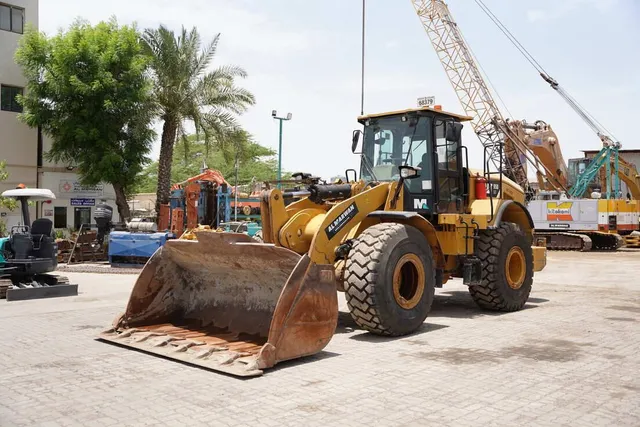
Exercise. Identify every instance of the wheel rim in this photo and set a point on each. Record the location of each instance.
(408, 281)
(515, 267)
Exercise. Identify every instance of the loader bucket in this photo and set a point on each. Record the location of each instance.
(226, 303)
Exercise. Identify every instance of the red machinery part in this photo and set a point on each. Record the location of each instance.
(480, 187)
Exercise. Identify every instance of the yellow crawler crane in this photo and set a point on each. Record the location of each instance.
(416, 218)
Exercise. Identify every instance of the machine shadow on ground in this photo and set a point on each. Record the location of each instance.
(346, 325)
(314, 358)
(452, 304)
(460, 305)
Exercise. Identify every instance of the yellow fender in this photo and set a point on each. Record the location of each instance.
(417, 221)
(505, 210)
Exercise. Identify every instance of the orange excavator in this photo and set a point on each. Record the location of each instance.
(194, 198)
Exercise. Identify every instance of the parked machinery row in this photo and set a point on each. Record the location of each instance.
(202, 200)
(563, 220)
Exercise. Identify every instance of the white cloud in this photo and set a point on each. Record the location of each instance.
(239, 27)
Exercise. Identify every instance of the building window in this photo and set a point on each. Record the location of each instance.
(8, 101)
(60, 217)
(11, 18)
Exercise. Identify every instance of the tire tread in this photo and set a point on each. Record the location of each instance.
(363, 268)
(488, 294)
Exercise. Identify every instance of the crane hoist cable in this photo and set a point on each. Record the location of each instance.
(603, 133)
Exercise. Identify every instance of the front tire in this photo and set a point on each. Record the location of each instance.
(390, 279)
(507, 269)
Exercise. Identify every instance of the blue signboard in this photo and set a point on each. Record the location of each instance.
(83, 202)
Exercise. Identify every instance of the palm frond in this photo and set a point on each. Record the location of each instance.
(186, 91)
(205, 57)
(230, 98)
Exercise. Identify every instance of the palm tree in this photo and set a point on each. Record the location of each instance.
(186, 91)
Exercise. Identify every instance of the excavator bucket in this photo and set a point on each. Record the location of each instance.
(227, 303)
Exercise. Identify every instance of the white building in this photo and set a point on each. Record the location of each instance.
(22, 148)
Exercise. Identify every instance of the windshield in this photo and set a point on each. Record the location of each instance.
(390, 142)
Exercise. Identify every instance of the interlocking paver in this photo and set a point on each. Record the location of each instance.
(569, 358)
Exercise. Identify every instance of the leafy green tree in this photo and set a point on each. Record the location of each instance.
(185, 91)
(255, 162)
(88, 88)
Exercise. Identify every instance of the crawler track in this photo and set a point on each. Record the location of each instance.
(582, 241)
(566, 241)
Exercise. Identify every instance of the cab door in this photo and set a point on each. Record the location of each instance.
(417, 150)
(450, 190)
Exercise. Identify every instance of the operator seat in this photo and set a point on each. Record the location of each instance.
(41, 229)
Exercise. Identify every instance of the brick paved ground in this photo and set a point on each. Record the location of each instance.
(572, 357)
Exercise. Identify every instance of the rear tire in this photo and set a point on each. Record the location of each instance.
(507, 269)
(390, 279)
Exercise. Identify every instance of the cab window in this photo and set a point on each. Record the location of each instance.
(383, 153)
(390, 142)
(450, 191)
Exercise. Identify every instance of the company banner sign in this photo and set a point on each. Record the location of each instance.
(71, 188)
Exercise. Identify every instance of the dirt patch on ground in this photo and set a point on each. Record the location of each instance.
(309, 408)
(96, 268)
(83, 327)
(546, 351)
(628, 308)
(621, 319)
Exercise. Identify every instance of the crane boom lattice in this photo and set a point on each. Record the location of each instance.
(505, 151)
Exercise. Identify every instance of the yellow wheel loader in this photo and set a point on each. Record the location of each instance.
(416, 218)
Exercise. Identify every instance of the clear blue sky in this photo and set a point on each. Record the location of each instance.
(303, 57)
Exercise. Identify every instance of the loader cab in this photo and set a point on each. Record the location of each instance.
(423, 138)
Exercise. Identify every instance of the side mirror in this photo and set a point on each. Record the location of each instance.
(453, 131)
(355, 139)
(409, 172)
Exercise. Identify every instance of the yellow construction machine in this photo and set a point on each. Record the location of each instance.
(417, 217)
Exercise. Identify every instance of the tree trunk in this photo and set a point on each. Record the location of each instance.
(121, 203)
(169, 130)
